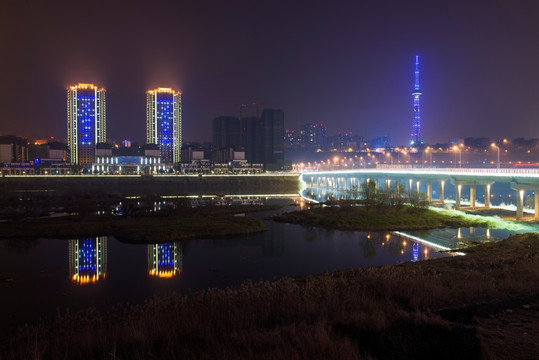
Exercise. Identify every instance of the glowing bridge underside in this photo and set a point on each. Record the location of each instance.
(520, 180)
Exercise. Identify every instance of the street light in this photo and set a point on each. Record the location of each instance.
(498, 148)
(460, 155)
(430, 153)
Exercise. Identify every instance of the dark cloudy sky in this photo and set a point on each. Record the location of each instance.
(348, 64)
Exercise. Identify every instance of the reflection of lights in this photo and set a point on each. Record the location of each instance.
(415, 252)
(164, 260)
(163, 273)
(404, 243)
(88, 260)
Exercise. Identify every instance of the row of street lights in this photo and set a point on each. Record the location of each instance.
(363, 161)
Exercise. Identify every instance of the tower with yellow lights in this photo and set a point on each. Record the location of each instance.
(86, 121)
(164, 122)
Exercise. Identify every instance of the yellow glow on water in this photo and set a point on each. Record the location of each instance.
(85, 279)
(163, 273)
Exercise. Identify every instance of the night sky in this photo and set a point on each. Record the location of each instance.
(347, 64)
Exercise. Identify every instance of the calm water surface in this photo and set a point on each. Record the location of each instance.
(50, 275)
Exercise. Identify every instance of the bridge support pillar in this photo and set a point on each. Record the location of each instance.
(536, 216)
(487, 195)
(442, 183)
(429, 191)
(472, 196)
(520, 204)
(457, 196)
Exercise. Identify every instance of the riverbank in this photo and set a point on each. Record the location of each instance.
(179, 224)
(482, 305)
(159, 185)
(379, 218)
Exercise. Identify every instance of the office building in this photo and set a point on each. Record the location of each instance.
(164, 122)
(308, 136)
(262, 138)
(226, 132)
(252, 137)
(13, 149)
(273, 139)
(320, 139)
(313, 136)
(86, 121)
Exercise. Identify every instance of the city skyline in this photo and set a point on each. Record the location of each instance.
(344, 66)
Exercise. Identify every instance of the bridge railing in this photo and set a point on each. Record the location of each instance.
(508, 171)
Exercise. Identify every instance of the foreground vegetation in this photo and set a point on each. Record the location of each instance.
(349, 216)
(482, 305)
(180, 223)
(377, 210)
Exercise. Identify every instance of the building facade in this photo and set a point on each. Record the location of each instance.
(273, 138)
(164, 122)
(86, 121)
(226, 132)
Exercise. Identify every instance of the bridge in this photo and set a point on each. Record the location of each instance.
(520, 180)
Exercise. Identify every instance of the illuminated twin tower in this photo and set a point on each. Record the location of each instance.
(87, 122)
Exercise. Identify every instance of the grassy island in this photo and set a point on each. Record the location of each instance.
(180, 224)
(348, 216)
(482, 305)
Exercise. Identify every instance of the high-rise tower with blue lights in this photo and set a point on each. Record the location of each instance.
(164, 122)
(86, 121)
(415, 138)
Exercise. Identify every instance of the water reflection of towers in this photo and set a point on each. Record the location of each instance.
(165, 260)
(88, 259)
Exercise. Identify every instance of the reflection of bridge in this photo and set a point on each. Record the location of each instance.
(521, 180)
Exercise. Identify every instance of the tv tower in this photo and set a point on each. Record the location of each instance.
(416, 139)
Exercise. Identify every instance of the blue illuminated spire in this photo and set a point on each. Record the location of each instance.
(416, 86)
(415, 138)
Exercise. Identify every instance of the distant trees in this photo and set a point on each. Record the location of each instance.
(395, 197)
